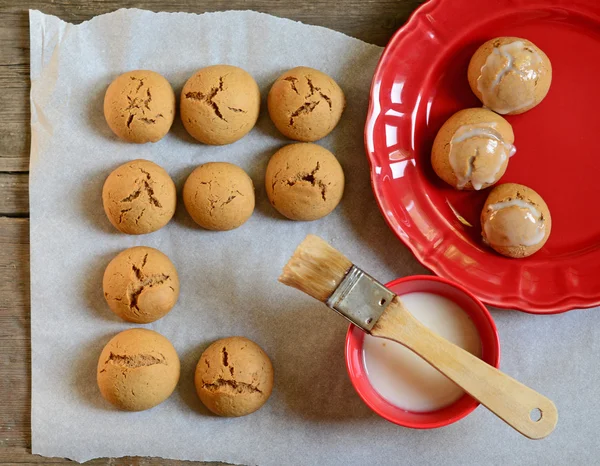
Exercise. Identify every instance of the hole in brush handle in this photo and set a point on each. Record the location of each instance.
(536, 414)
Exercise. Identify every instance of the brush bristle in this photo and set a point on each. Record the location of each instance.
(316, 268)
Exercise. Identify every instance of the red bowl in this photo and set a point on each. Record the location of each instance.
(490, 353)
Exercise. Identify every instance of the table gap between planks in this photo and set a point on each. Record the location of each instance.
(373, 21)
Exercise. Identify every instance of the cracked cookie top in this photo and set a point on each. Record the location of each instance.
(139, 197)
(305, 104)
(219, 104)
(304, 181)
(515, 220)
(137, 369)
(472, 149)
(234, 377)
(219, 196)
(139, 106)
(141, 285)
(510, 75)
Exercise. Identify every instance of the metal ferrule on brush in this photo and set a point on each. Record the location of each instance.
(360, 298)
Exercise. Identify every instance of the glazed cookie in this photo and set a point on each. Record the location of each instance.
(141, 285)
(515, 220)
(139, 197)
(219, 196)
(219, 104)
(305, 104)
(137, 370)
(139, 106)
(304, 181)
(510, 75)
(472, 148)
(234, 377)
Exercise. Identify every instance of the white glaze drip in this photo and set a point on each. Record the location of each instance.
(515, 202)
(493, 147)
(510, 236)
(503, 59)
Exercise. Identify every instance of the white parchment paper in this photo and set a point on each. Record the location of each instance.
(228, 279)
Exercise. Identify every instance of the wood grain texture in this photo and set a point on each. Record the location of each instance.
(15, 354)
(370, 20)
(14, 194)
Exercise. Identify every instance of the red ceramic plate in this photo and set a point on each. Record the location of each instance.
(421, 80)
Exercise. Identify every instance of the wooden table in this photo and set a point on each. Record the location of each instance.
(370, 20)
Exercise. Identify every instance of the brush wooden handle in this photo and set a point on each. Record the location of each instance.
(508, 399)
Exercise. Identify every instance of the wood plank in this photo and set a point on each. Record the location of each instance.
(14, 144)
(14, 84)
(14, 115)
(15, 353)
(15, 103)
(14, 194)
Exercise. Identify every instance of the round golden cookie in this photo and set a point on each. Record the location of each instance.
(305, 104)
(141, 285)
(139, 197)
(234, 377)
(472, 148)
(137, 370)
(510, 75)
(139, 106)
(219, 196)
(220, 104)
(515, 220)
(304, 181)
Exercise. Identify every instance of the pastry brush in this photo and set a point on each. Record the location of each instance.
(321, 271)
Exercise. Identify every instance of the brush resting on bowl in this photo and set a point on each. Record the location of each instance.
(318, 269)
(403, 378)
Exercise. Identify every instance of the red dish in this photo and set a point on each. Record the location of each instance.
(421, 80)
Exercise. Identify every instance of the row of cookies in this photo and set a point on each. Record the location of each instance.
(303, 181)
(139, 369)
(220, 104)
(471, 151)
